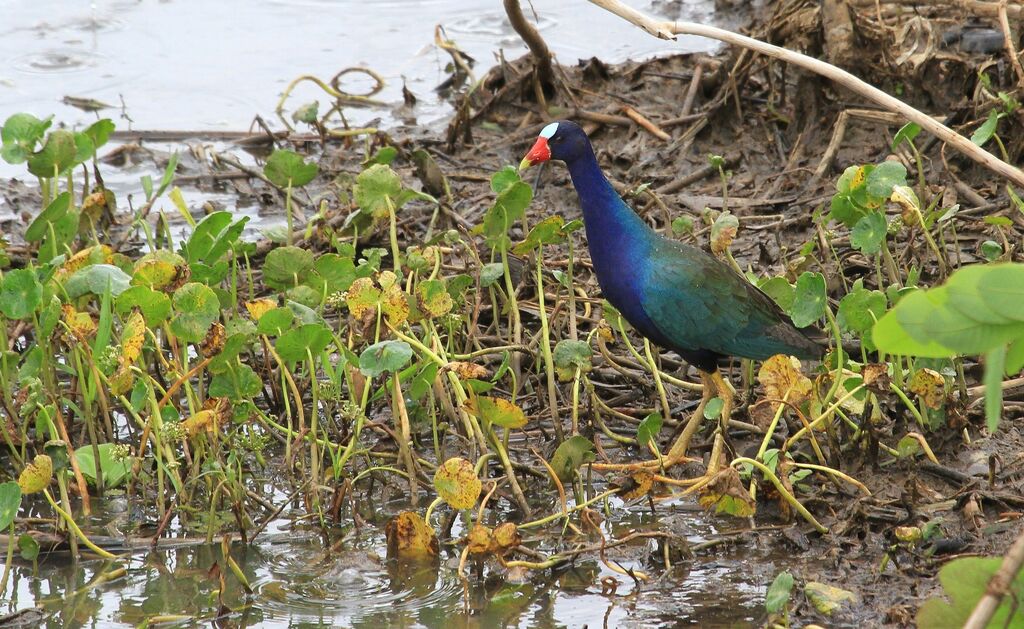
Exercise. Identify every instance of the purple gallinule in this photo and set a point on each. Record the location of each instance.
(678, 296)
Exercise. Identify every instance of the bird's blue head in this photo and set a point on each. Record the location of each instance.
(562, 140)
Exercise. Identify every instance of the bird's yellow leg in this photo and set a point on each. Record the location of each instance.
(678, 450)
(725, 390)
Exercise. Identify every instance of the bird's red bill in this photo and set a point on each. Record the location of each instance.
(539, 153)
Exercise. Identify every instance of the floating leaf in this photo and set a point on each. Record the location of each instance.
(386, 356)
(828, 598)
(37, 475)
(810, 299)
(10, 502)
(782, 379)
(497, 411)
(409, 537)
(457, 484)
(570, 455)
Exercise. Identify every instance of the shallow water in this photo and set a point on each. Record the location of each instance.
(299, 581)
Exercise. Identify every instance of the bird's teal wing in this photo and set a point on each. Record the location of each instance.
(699, 303)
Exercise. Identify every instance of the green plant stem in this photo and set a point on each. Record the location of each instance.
(545, 348)
(565, 513)
(787, 496)
(517, 325)
(74, 528)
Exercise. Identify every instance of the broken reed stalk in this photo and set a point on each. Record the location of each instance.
(531, 37)
(669, 30)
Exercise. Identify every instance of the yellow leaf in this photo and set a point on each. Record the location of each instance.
(81, 324)
(36, 475)
(203, 420)
(497, 411)
(781, 378)
(457, 484)
(259, 307)
(468, 371)
(409, 537)
(103, 255)
(133, 335)
(506, 537)
(479, 541)
(726, 494)
(362, 297)
(638, 484)
(930, 386)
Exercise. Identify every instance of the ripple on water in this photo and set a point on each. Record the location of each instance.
(56, 61)
(354, 586)
(494, 24)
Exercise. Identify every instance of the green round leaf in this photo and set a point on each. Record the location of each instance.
(809, 300)
(384, 357)
(97, 279)
(294, 344)
(568, 457)
(286, 267)
(20, 294)
(869, 233)
(286, 168)
(196, 307)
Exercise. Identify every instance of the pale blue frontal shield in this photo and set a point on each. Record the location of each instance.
(549, 130)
